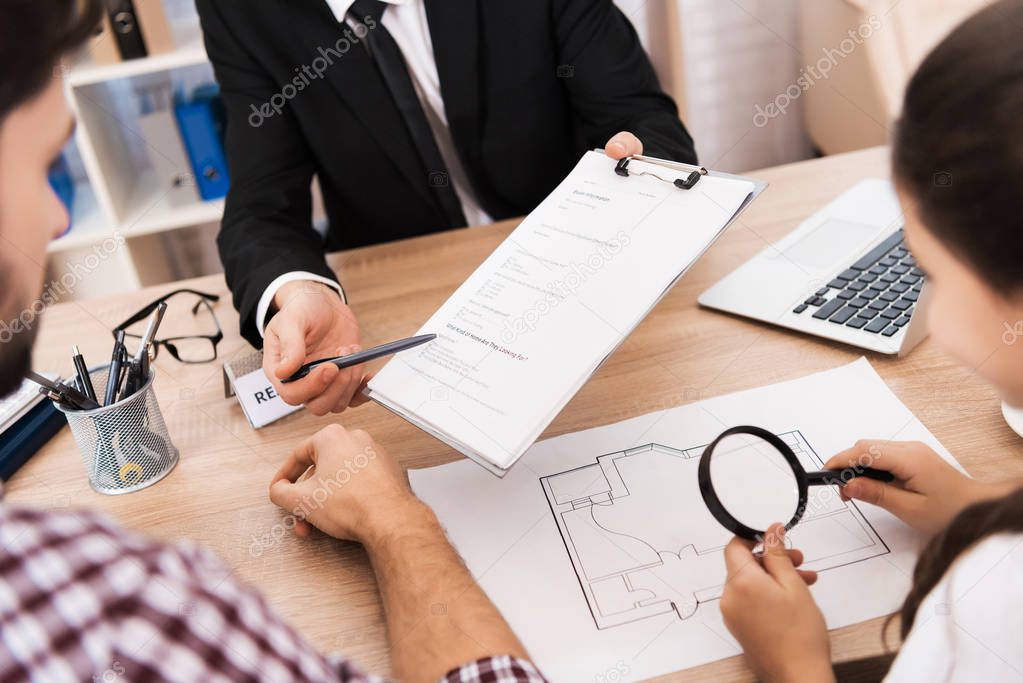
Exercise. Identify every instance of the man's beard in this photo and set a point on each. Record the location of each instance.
(15, 361)
(16, 354)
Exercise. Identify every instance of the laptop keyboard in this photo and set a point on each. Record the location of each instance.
(876, 294)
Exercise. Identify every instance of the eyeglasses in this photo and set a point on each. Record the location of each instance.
(196, 349)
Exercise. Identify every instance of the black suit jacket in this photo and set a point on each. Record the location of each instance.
(528, 86)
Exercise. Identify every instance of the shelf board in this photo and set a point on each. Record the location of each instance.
(88, 227)
(190, 52)
(152, 210)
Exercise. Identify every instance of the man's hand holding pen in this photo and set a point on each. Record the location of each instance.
(312, 322)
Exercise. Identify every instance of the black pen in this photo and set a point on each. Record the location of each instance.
(121, 381)
(64, 393)
(114, 372)
(138, 367)
(53, 396)
(84, 380)
(362, 356)
(132, 383)
(142, 357)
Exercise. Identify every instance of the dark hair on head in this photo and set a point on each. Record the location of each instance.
(34, 36)
(958, 153)
(958, 148)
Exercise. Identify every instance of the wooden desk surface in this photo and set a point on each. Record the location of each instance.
(680, 354)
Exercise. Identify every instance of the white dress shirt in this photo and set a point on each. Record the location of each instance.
(406, 21)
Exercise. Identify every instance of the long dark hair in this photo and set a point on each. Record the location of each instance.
(34, 36)
(958, 152)
(971, 526)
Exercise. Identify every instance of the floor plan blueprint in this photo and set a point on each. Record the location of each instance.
(643, 544)
(599, 551)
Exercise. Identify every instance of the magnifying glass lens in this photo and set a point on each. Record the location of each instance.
(753, 481)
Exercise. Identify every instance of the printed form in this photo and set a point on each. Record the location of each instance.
(522, 335)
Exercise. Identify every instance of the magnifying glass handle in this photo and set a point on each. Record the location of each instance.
(840, 477)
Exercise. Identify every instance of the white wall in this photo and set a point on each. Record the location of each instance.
(737, 54)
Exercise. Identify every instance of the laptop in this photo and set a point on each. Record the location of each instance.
(844, 274)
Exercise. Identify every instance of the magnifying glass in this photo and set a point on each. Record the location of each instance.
(750, 478)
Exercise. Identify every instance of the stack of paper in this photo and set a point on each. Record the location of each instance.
(520, 337)
(18, 404)
(600, 552)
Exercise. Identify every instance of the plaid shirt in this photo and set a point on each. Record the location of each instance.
(81, 599)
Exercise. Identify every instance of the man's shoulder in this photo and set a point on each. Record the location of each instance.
(245, 14)
(25, 530)
(86, 547)
(79, 591)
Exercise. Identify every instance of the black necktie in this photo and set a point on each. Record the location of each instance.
(391, 63)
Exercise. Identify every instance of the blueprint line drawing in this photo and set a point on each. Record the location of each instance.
(643, 544)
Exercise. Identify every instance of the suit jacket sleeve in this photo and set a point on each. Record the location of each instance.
(267, 227)
(612, 85)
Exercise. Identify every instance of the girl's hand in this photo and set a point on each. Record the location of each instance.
(768, 608)
(927, 493)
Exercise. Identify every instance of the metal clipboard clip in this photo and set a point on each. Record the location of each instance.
(686, 183)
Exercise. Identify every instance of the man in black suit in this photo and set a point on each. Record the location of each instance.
(416, 116)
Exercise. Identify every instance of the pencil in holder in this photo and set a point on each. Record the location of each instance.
(125, 446)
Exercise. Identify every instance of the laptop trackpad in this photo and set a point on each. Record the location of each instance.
(833, 243)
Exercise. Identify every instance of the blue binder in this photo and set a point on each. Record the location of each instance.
(201, 125)
(22, 440)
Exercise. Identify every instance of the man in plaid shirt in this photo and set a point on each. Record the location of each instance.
(82, 599)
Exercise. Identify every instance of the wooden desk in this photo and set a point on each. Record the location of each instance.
(681, 353)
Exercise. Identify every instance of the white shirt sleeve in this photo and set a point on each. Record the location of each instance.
(271, 291)
(968, 628)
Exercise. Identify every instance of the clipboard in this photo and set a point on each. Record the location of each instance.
(686, 177)
(691, 175)
(684, 174)
(707, 202)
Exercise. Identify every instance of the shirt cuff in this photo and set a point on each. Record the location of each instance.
(271, 291)
(505, 669)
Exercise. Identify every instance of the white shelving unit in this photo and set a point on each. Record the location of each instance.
(120, 212)
(87, 221)
(189, 52)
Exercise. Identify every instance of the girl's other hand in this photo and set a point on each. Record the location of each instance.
(768, 608)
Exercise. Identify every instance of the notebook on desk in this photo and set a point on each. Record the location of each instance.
(27, 422)
(529, 327)
(15, 406)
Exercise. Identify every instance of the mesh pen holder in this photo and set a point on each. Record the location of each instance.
(125, 446)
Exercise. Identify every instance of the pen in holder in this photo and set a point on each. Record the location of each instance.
(125, 446)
